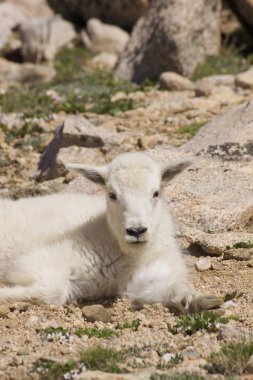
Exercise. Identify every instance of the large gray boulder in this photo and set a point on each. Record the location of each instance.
(171, 36)
(229, 135)
(123, 13)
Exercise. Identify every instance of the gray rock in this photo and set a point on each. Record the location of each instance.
(231, 333)
(170, 32)
(212, 201)
(203, 264)
(245, 79)
(249, 366)
(204, 87)
(239, 254)
(221, 80)
(95, 313)
(176, 82)
(99, 37)
(105, 61)
(43, 37)
(11, 73)
(123, 13)
(233, 126)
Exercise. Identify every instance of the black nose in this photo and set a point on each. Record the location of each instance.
(136, 231)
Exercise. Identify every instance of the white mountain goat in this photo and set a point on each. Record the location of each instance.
(66, 247)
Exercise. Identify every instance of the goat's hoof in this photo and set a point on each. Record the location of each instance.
(209, 301)
(206, 302)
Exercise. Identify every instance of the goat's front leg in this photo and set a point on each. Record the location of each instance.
(187, 300)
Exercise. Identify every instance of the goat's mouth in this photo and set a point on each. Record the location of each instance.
(138, 242)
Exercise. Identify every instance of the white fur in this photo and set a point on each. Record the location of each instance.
(65, 247)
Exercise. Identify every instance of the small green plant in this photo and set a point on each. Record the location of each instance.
(177, 376)
(243, 244)
(229, 61)
(134, 325)
(102, 359)
(191, 129)
(94, 331)
(51, 332)
(106, 106)
(176, 359)
(51, 370)
(206, 320)
(231, 359)
(56, 330)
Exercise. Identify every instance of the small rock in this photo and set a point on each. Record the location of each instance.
(245, 79)
(105, 60)
(221, 80)
(95, 313)
(173, 81)
(203, 263)
(250, 263)
(249, 366)
(4, 310)
(147, 142)
(168, 356)
(204, 87)
(191, 354)
(231, 333)
(239, 254)
(32, 321)
(100, 37)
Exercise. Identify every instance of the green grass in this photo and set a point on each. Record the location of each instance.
(191, 323)
(243, 244)
(94, 331)
(192, 128)
(89, 331)
(103, 359)
(229, 61)
(231, 359)
(177, 376)
(134, 325)
(51, 370)
(80, 87)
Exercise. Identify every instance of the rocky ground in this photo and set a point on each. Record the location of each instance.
(211, 203)
(149, 350)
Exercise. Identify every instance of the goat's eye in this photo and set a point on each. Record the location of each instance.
(156, 194)
(113, 196)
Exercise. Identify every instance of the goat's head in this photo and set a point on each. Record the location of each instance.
(133, 183)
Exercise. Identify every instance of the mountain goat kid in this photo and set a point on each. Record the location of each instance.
(65, 247)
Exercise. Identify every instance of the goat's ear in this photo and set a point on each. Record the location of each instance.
(93, 173)
(170, 171)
